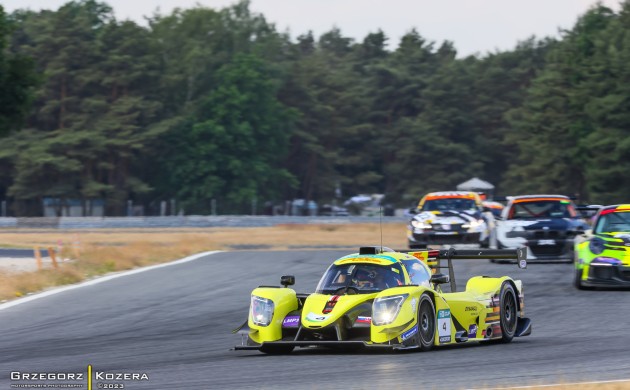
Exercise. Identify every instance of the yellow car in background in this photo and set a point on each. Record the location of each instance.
(602, 255)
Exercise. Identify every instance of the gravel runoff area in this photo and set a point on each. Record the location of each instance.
(22, 264)
(22, 260)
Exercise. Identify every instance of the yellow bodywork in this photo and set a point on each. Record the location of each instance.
(285, 301)
(471, 315)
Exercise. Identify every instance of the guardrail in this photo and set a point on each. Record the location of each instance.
(181, 221)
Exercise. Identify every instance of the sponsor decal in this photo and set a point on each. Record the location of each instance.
(291, 321)
(364, 320)
(361, 260)
(421, 255)
(316, 317)
(444, 325)
(409, 333)
(470, 308)
(546, 242)
(472, 331)
(413, 302)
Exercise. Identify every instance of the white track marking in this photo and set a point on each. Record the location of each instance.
(103, 279)
(558, 385)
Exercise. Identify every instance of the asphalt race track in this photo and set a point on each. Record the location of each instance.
(174, 324)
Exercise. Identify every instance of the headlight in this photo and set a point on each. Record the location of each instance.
(385, 309)
(261, 310)
(420, 224)
(473, 224)
(596, 246)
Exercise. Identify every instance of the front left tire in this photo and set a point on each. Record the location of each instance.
(426, 323)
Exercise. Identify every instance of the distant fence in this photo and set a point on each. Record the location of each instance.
(181, 221)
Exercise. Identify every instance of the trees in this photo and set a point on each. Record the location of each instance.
(216, 104)
(554, 127)
(232, 146)
(17, 80)
(93, 113)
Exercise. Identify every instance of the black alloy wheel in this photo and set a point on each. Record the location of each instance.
(509, 310)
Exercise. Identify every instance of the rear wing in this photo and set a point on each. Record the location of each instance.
(433, 258)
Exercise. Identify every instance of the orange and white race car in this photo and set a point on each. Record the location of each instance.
(453, 217)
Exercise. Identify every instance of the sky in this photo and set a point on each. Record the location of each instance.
(474, 26)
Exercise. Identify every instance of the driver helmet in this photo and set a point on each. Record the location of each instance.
(365, 277)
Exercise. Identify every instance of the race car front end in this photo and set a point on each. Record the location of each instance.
(603, 261)
(546, 224)
(445, 228)
(360, 302)
(545, 240)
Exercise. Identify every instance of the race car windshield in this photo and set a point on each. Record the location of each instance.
(359, 277)
(448, 204)
(613, 222)
(542, 209)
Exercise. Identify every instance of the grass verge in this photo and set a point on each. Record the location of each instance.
(98, 252)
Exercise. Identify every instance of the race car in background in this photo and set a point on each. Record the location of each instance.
(455, 217)
(602, 255)
(386, 300)
(546, 224)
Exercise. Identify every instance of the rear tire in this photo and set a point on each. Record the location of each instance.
(509, 312)
(426, 323)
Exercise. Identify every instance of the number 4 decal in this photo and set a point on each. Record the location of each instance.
(444, 326)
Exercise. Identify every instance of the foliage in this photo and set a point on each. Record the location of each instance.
(206, 105)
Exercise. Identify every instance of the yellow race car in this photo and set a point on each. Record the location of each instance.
(602, 254)
(382, 299)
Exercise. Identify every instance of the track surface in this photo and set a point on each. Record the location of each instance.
(174, 324)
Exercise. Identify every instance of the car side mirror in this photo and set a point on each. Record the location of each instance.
(439, 279)
(413, 210)
(287, 280)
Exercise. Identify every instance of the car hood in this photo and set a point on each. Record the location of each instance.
(547, 223)
(318, 310)
(447, 216)
(617, 239)
(617, 246)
